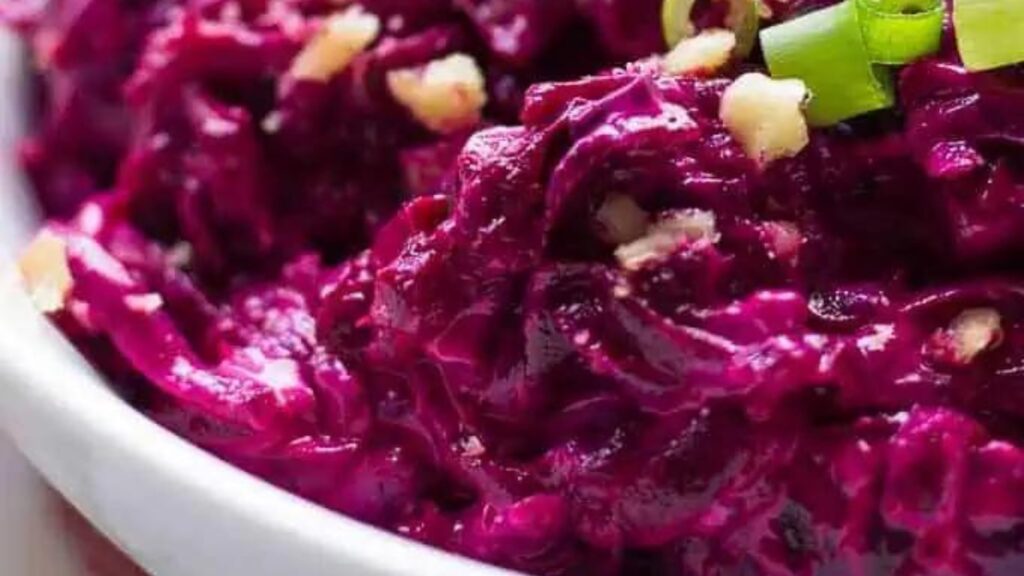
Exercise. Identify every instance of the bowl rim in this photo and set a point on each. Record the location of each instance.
(78, 396)
(39, 365)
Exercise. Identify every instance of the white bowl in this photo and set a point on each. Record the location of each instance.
(174, 509)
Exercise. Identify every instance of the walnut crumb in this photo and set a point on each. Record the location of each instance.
(666, 235)
(446, 95)
(147, 303)
(974, 331)
(621, 219)
(702, 54)
(766, 116)
(45, 273)
(341, 38)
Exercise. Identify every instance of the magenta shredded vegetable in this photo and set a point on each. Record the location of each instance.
(575, 330)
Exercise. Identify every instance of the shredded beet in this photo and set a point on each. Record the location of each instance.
(588, 335)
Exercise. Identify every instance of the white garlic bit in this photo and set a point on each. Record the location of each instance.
(766, 116)
(446, 95)
(666, 235)
(974, 331)
(701, 54)
(342, 37)
(45, 273)
(621, 219)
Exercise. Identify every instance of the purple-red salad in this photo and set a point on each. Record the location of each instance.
(514, 279)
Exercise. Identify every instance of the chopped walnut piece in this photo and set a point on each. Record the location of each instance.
(45, 273)
(446, 95)
(147, 303)
(621, 220)
(666, 235)
(974, 331)
(703, 53)
(342, 37)
(766, 116)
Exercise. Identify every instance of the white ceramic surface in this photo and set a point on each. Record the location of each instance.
(171, 507)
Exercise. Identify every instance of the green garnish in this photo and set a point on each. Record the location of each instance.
(989, 33)
(675, 21)
(899, 31)
(826, 50)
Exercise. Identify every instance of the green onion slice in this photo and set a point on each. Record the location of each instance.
(989, 33)
(900, 31)
(675, 21)
(826, 50)
(742, 19)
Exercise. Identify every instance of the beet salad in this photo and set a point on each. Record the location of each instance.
(572, 287)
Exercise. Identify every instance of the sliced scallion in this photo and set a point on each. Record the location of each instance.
(744, 19)
(675, 21)
(989, 33)
(826, 50)
(899, 31)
